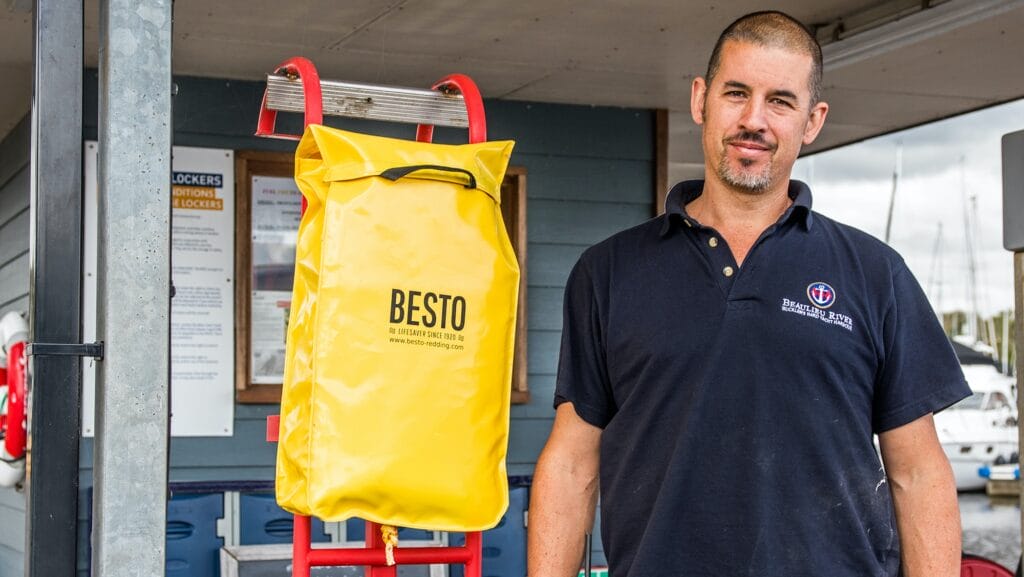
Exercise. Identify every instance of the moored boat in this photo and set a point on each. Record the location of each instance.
(981, 430)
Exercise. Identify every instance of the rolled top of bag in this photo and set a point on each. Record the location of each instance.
(351, 156)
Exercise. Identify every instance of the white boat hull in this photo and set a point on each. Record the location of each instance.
(981, 429)
(966, 464)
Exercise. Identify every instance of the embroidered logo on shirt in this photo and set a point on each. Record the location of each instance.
(827, 317)
(821, 295)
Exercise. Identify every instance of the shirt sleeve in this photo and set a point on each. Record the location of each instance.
(920, 373)
(582, 372)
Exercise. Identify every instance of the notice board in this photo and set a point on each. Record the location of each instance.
(202, 309)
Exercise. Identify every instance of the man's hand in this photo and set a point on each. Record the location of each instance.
(924, 494)
(563, 496)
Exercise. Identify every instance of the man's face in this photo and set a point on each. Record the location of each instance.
(756, 115)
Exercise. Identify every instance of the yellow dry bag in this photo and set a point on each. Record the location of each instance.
(397, 381)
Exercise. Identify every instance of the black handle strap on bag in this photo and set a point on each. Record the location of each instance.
(394, 174)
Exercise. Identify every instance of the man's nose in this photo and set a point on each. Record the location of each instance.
(753, 117)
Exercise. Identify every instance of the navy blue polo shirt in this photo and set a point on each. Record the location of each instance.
(738, 402)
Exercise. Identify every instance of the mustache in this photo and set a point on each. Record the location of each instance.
(753, 137)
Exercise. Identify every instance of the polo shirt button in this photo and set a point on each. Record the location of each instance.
(727, 271)
(712, 242)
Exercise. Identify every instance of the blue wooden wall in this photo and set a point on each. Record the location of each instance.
(14, 227)
(590, 173)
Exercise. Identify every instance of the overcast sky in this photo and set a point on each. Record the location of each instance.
(944, 166)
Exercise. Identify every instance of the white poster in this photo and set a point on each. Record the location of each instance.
(202, 310)
(276, 211)
(269, 325)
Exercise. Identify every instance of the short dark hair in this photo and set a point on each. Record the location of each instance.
(775, 29)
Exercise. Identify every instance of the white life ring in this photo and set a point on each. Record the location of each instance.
(13, 418)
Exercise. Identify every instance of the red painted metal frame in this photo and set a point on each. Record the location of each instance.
(3, 379)
(373, 556)
(314, 103)
(14, 441)
(273, 428)
(460, 84)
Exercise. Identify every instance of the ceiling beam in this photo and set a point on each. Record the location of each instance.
(922, 25)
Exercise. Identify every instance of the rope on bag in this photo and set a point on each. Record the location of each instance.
(389, 534)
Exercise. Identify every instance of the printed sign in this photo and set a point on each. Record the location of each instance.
(202, 310)
(276, 211)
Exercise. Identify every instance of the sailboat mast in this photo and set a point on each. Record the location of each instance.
(935, 274)
(895, 183)
(1004, 354)
(970, 202)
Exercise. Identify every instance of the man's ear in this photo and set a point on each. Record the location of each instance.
(698, 94)
(815, 122)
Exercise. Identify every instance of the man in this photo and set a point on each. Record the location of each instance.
(724, 366)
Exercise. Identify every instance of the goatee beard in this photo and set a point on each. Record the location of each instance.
(743, 180)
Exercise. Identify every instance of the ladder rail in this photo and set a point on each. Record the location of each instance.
(373, 102)
(295, 86)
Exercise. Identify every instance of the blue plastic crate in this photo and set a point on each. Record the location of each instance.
(193, 547)
(262, 522)
(504, 547)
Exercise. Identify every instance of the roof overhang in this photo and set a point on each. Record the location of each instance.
(889, 65)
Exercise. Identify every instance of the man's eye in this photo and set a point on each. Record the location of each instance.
(735, 94)
(781, 102)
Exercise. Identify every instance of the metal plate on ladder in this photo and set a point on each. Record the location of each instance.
(372, 102)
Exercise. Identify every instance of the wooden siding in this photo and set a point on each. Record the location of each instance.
(14, 281)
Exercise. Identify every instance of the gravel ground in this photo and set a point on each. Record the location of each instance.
(991, 527)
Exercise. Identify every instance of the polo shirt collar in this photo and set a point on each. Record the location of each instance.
(686, 191)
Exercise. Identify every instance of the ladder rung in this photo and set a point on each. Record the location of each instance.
(370, 101)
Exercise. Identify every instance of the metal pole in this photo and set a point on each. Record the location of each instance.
(896, 171)
(588, 554)
(56, 249)
(1018, 335)
(1004, 350)
(133, 308)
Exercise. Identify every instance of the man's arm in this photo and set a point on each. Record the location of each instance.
(563, 496)
(924, 494)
